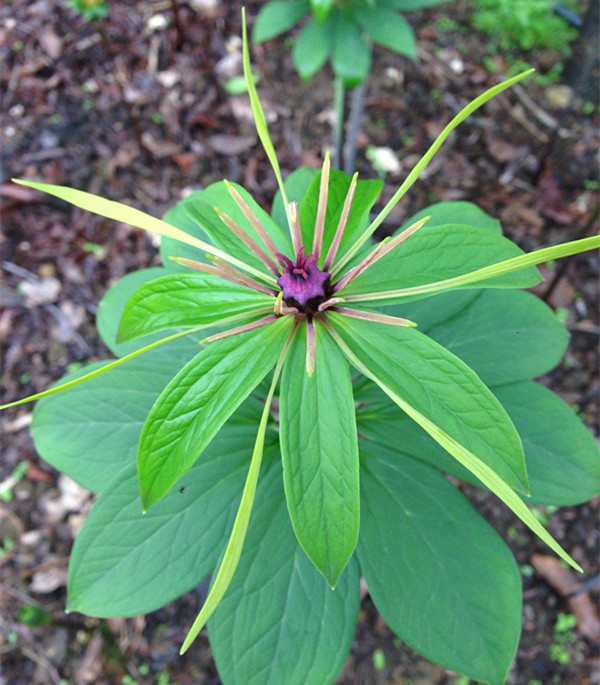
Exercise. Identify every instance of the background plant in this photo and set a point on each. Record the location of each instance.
(341, 32)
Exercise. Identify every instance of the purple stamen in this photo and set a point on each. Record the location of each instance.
(303, 284)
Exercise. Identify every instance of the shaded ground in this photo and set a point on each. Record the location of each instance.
(125, 114)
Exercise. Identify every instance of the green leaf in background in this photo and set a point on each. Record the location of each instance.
(296, 185)
(433, 311)
(388, 29)
(351, 57)
(111, 309)
(179, 217)
(277, 17)
(197, 402)
(319, 450)
(122, 556)
(91, 432)
(493, 271)
(441, 387)
(365, 195)
(312, 48)
(321, 9)
(436, 253)
(279, 621)
(499, 335)
(462, 213)
(457, 603)
(182, 300)
(563, 460)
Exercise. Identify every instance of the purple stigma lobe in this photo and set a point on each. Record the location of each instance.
(303, 284)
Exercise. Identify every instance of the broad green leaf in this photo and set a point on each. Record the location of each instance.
(427, 157)
(296, 185)
(217, 195)
(388, 29)
(457, 604)
(122, 556)
(182, 300)
(279, 621)
(92, 431)
(563, 461)
(504, 336)
(435, 253)
(113, 303)
(312, 48)
(438, 385)
(433, 311)
(65, 384)
(365, 195)
(133, 217)
(319, 450)
(464, 456)
(321, 9)
(494, 271)
(277, 17)
(257, 111)
(196, 403)
(462, 213)
(178, 216)
(233, 551)
(351, 56)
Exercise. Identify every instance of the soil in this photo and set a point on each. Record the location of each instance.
(129, 109)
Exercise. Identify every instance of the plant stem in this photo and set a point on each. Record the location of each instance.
(338, 133)
(356, 106)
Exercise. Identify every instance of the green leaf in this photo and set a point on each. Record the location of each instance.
(499, 335)
(129, 215)
(319, 450)
(278, 17)
(321, 9)
(197, 402)
(233, 551)
(122, 556)
(178, 216)
(427, 157)
(92, 431)
(217, 195)
(113, 303)
(563, 461)
(312, 48)
(388, 29)
(479, 468)
(181, 300)
(279, 621)
(351, 57)
(462, 213)
(365, 195)
(494, 271)
(457, 604)
(416, 371)
(435, 253)
(296, 185)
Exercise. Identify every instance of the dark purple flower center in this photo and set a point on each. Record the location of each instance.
(303, 284)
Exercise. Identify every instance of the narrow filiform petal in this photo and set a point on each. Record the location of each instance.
(339, 234)
(322, 208)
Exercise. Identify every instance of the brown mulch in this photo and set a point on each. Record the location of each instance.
(118, 109)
